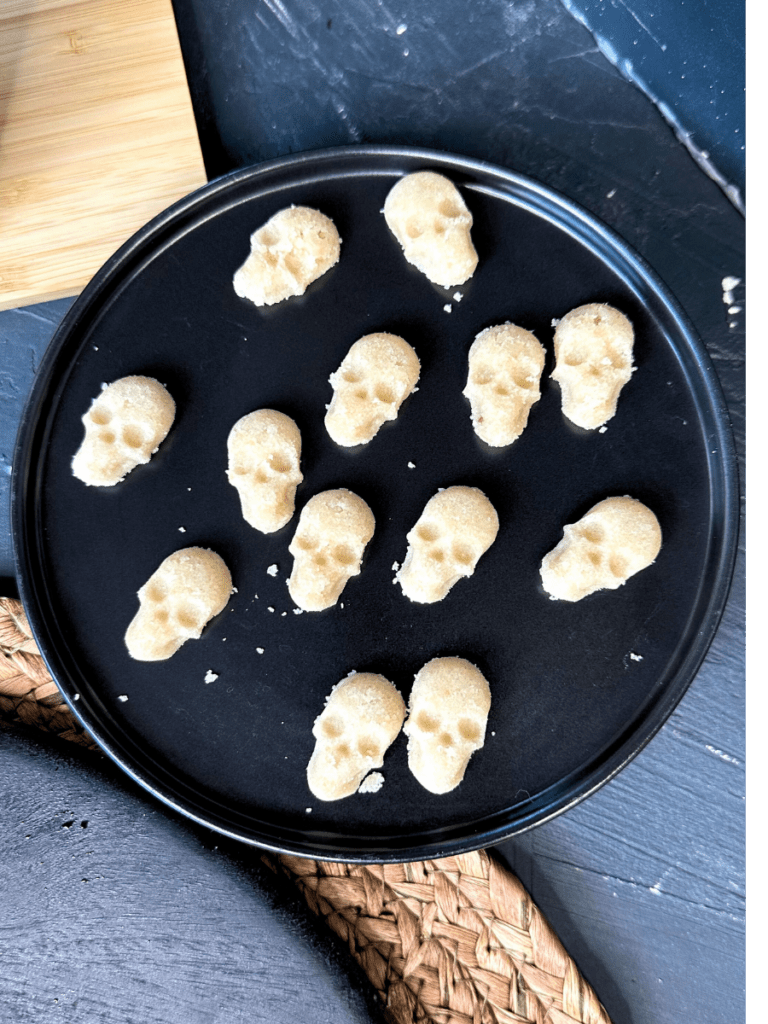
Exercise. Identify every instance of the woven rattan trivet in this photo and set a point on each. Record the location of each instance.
(452, 941)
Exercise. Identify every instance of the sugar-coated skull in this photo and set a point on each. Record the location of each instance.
(123, 429)
(362, 716)
(457, 526)
(375, 376)
(333, 531)
(593, 351)
(264, 451)
(179, 598)
(505, 364)
(290, 251)
(614, 540)
(447, 716)
(428, 216)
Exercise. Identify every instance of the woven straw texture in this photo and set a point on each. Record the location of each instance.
(451, 941)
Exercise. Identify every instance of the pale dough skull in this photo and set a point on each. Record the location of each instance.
(505, 364)
(428, 216)
(614, 540)
(362, 717)
(123, 429)
(333, 530)
(179, 598)
(593, 352)
(447, 716)
(292, 249)
(264, 451)
(457, 526)
(375, 377)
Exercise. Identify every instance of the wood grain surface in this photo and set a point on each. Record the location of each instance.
(97, 135)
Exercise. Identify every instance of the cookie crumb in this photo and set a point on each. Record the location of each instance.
(211, 676)
(457, 296)
(447, 307)
(371, 783)
(635, 657)
(259, 650)
(272, 570)
(411, 465)
(122, 697)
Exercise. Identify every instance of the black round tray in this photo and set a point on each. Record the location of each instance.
(577, 689)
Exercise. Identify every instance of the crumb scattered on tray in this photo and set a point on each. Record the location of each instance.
(447, 307)
(259, 650)
(211, 676)
(123, 697)
(411, 465)
(372, 783)
(635, 657)
(272, 570)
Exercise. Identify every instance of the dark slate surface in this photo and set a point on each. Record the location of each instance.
(644, 881)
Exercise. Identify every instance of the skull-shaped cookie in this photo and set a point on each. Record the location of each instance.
(264, 450)
(457, 526)
(505, 364)
(333, 531)
(427, 215)
(290, 251)
(375, 377)
(123, 429)
(593, 350)
(614, 540)
(362, 716)
(179, 598)
(447, 716)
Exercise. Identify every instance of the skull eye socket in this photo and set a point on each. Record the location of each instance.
(156, 593)
(280, 463)
(305, 543)
(427, 533)
(351, 376)
(385, 394)
(574, 357)
(367, 747)
(469, 730)
(133, 436)
(267, 237)
(343, 553)
(522, 381)
(595, 557)
(100, 416)
(594, 533)
(186, 616)
(239, 469)
(426, 722)
(448, 209)
(332, 727)
(413, 228)
(463, 554)
(482, 377)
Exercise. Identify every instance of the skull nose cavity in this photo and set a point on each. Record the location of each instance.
(618, 566)
(446, 740)
(437, 555)
(160, 615)
(501, 390)
(107, 437)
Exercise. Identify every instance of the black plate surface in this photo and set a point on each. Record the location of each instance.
(577, 688)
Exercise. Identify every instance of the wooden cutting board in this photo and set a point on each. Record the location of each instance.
(97, 135)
